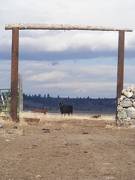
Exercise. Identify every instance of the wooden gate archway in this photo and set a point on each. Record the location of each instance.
(15, 55)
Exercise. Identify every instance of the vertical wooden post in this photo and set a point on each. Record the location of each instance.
(14, 74)
(120, 68)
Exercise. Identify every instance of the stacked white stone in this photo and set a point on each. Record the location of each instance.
(126, 106)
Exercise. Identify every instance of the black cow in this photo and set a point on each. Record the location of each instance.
(66, 109)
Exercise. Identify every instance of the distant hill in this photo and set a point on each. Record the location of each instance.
(92, 105)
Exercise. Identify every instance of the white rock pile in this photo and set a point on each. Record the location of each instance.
(126, 107)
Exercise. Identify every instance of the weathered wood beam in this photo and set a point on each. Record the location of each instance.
(120, 68)
(14, 74)
(61, 27)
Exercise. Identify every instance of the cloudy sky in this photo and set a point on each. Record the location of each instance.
(68, 63)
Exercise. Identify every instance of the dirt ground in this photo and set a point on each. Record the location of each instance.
(67, 149)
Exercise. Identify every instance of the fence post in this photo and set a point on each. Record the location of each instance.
(14, 74)
(120, 68)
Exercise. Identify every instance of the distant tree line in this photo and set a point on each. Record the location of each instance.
(95, 105)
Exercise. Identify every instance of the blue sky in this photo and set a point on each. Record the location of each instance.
(67, 63)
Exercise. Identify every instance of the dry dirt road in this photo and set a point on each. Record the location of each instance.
(67, 150)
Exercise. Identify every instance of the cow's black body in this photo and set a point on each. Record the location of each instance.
(66, 109)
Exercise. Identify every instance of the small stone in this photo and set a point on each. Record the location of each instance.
(7, 140)
(126, 103)
(1, 125)
(123, 91)
(122, 98)
(131, 112)
(85, 133)
(128, 119)
(46, 130)
(122, 114)
(119, 108)
(133, 95)
(119, 101)
(38, 176)
(127, 93)
(15, 127)
(134, 104)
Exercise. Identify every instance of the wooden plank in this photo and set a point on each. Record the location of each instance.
(120, 72)
(14, 74)
(120, 68)
(62, 27)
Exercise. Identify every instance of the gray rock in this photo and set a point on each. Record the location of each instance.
(1, 125)
(119, 101)
(128, 119)
(122, 114)
(122, 98)
(134, 104)
(133, 95)
(127, 93)
(131, 112)
(120, 108)
(126, 103)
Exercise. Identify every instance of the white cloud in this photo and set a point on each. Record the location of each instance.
(67, 78)
(70, 78)
(103, 12)
(74, 79)
(68, 41)
(94, 12)
(48, 77)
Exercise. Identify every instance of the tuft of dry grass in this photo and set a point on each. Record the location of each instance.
(56, 116)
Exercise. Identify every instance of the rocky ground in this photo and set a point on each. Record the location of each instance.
(67, 149)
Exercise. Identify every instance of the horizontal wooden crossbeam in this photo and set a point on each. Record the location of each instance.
(61, 27)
